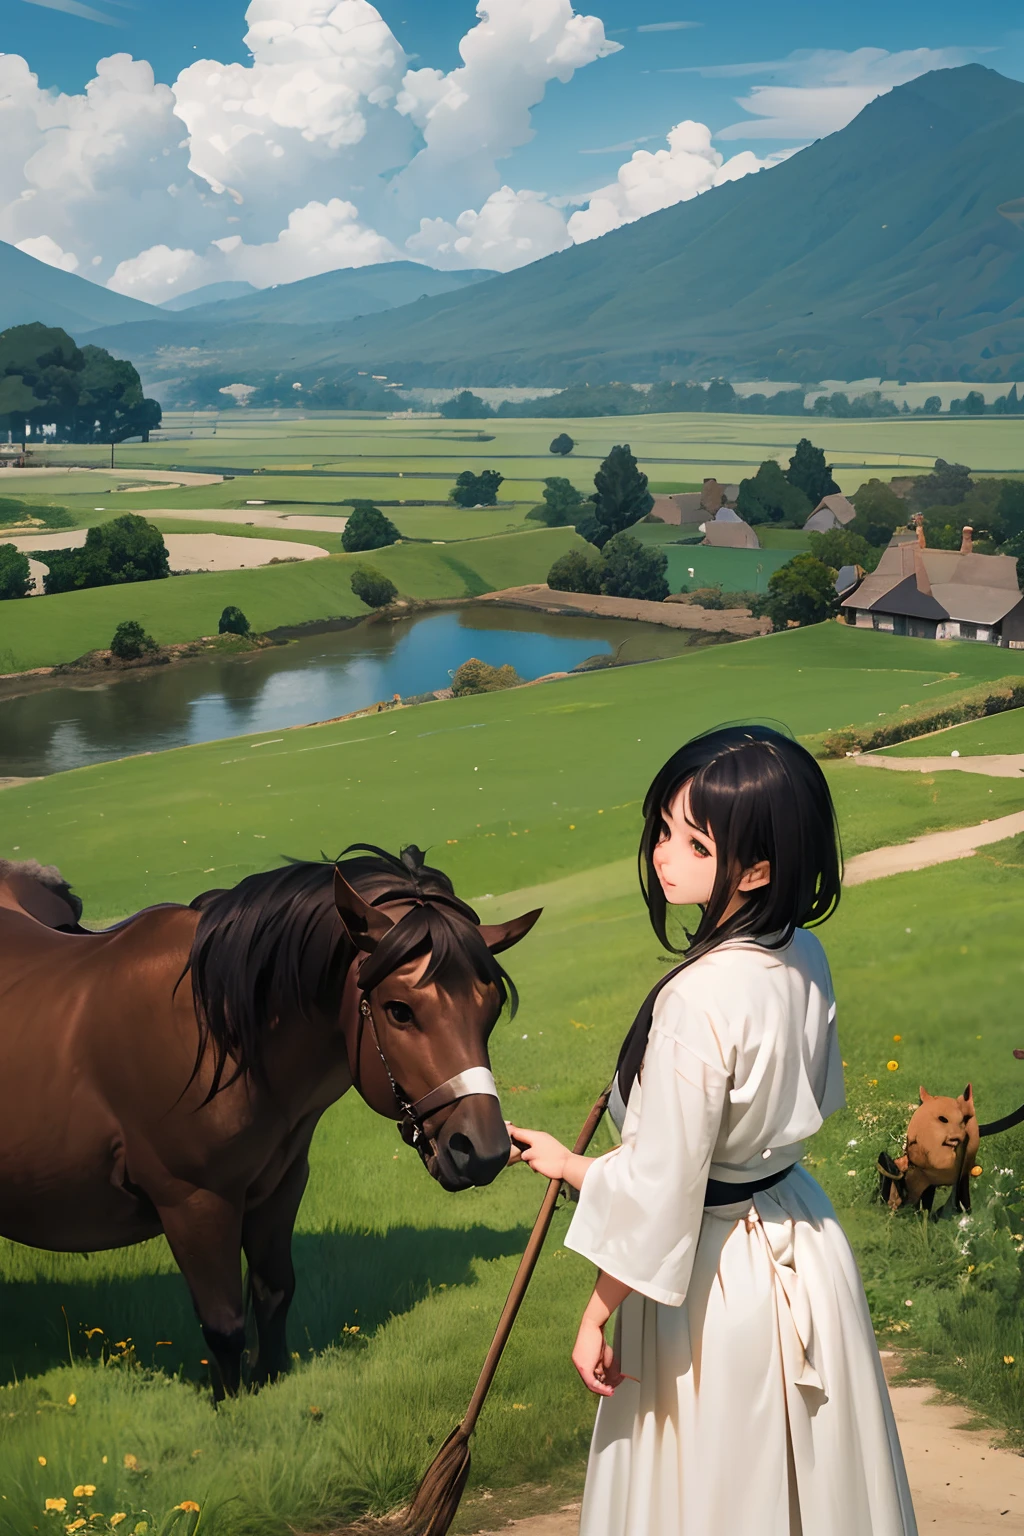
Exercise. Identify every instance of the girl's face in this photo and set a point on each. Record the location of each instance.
(686, 861)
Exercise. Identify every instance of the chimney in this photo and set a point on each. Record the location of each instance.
(967, 543)
(919, 525)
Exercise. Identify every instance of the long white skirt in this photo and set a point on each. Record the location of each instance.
(760, 1407)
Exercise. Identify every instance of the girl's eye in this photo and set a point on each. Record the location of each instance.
(699, 849)
(399, 1013)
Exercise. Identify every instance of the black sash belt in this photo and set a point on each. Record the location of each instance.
(719, 1193)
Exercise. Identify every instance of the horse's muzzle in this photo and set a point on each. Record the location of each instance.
(472, 1145)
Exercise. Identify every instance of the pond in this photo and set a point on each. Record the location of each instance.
(314, 678)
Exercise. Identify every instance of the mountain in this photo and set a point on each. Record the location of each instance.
(212, 293)
(32, 290)
(892, 248)
(340, 295)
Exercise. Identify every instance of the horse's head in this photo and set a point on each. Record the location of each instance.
(428, 993)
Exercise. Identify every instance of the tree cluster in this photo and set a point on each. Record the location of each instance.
(372, 587)
(367, 528)
(948, 499)
(563, 504)
(476, 676)
(471, 490)
(85, 394)
(466, 407)
(624, 568)
(787, 497)
(125, 550)
(15, 577)
(628, 400)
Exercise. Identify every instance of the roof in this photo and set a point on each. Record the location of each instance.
(725, 534)
(830, 511)
(728, 515)
(940, 584)
(681, 507)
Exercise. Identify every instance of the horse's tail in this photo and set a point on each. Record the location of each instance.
(1005, 1124)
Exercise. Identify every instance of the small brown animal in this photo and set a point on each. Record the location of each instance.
(941, 1146)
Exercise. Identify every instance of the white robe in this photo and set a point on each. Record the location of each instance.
(759, 1406)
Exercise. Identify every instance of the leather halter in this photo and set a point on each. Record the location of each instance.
(474, 1080)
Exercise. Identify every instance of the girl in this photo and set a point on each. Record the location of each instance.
(744, 1395)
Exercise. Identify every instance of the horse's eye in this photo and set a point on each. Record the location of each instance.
(399, 1013)
(943, 1119)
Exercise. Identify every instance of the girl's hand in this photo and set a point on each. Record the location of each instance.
(541, 1152)
(595, 1359)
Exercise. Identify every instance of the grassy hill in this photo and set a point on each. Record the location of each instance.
(400, 1284)
(340, 295)
(894, 247)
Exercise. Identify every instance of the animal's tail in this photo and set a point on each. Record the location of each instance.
(1008, 1121)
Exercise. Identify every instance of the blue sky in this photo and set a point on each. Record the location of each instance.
(253, 173)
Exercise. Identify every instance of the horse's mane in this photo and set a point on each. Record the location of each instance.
(274, 946)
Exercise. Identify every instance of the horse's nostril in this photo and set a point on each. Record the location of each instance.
(460, 1150)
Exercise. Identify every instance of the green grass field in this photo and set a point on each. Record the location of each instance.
(45, 631)
(556, 775)
(997, 733)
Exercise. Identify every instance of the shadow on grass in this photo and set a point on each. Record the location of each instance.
(345, 1281)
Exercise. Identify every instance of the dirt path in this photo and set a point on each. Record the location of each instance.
(935, 848)
(129, 479)
(995, 765)
(959, 1480)
(733, 621)
(253, 517)
(187, 552)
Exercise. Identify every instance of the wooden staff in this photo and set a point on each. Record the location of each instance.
(437, 1498)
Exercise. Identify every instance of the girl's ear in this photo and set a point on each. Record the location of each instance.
(756, 877)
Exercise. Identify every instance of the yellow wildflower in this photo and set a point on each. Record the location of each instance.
(189, 1505)
(892, 1066)
(76, 1525)
(1007, 1359)
(72, 1399)
(897, 1038)
(41, 1460)
(116, 1519)
(85, 1490)
(58, 1505)
(131, 1463)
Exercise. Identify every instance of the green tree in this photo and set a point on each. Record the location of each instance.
(367, 528)
(15, 576)
(974, 405)
(131, 641)
(1007, 517)
(466, 407)
(879, 512)
(111, 406)
(768, 497)
(1015, 547)
(562, 444)
(40, 368)
(124, 550)
(481, 490)
(233, 622)
(801, 592)
(839, 547)
(946, 487)
(933, 405)
(476, 676)
(720, 396)
(809, 472)
(575, 572)
(562, 504)
(372, 587)
(621, 497)
(632, 569)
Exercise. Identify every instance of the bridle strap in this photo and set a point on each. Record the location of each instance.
(473, 1080)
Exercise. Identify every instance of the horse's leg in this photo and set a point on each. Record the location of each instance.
(267, 1240)
(205, 1236)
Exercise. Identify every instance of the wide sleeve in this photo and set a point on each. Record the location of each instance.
(641, 1205)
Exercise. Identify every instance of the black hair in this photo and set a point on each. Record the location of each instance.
(274, 946)
(759, 795)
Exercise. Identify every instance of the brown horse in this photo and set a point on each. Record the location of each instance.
(167, 1075)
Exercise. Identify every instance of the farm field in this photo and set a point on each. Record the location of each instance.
(555, 774)
(998, 733)
(45, 631)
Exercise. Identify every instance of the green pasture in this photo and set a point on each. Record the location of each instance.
(45, 631)
(997, 733)
(400, 1284)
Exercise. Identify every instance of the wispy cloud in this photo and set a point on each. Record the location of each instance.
(75, 8)
(617, 149)
(670, 26)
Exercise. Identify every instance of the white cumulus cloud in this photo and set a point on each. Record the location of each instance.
(45, 249)
(647, 182)
(510, 229)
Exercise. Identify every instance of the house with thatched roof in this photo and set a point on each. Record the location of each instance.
(730, 532)
(684, 509)
(831, 512)
(940, 594)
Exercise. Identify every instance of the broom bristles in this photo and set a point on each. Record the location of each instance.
(437, 1498)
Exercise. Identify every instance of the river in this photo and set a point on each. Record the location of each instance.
(313, 678)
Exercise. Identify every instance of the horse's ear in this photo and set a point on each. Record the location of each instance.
(365, 925)
(499, 936)
(967, 1098)
(923, 1094)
